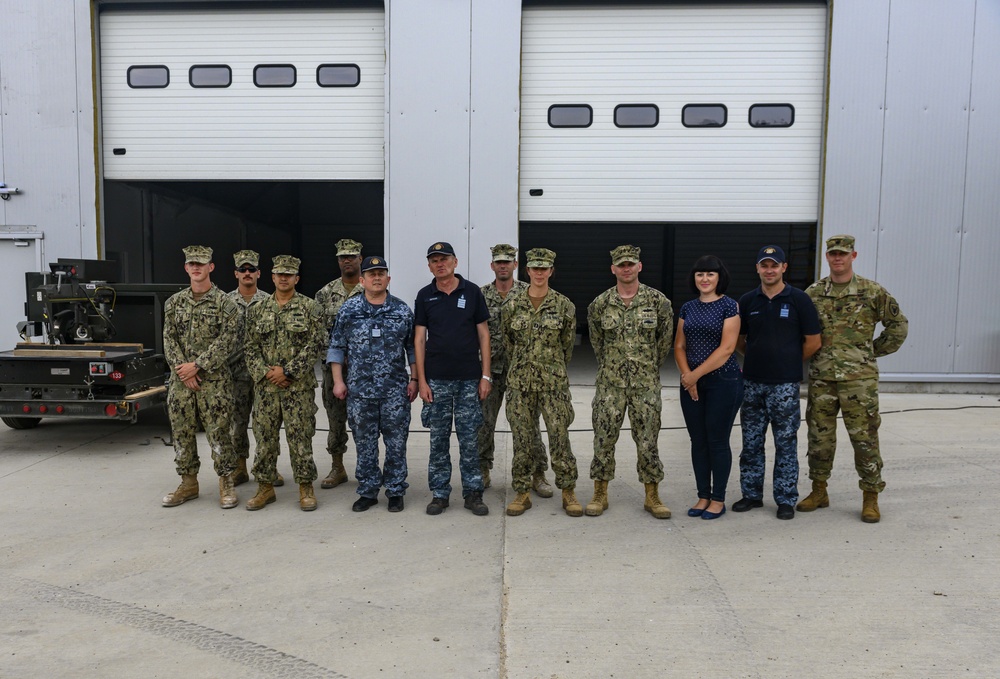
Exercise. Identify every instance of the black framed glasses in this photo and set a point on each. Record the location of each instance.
(246, 268)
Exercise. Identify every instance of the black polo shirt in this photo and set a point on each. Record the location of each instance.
(452, 351)
(774, 329)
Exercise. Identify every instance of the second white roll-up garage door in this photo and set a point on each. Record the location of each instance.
(243, 94)
(672, 113)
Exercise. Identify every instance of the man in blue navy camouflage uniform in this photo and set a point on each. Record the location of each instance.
(779, 329)
(374, 335)
(452, 342)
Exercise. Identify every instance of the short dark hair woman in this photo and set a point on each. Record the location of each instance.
(711, 381)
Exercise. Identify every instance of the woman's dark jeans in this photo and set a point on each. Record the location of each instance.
(709, 422)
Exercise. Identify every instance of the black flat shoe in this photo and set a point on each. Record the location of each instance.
(785, 512)
(363, 504)
(396, 503)
(746, 504)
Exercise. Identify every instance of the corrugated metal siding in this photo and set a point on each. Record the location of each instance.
(243, 132)
(671, 56)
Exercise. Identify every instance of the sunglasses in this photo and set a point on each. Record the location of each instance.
(247, 269)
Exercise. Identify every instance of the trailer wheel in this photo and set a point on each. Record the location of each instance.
(21, 422)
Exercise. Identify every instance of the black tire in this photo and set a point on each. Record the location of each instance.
(21, 422)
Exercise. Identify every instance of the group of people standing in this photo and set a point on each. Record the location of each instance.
(464, 350)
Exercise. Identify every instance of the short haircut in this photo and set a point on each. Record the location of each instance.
(710, 263)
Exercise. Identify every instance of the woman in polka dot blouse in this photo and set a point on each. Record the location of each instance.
(711, 381)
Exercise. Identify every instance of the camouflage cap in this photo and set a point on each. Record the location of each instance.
(200, 254)
(246, 257)
(841, 243)
(285, 264)
(541, 258)
(348, 248)
(502, 252)
(372, 263)
(625, 253)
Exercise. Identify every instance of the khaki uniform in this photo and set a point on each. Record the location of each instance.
(330, 298)
(205, 332)
(242, 383)
(539, 345)
(498, 370)
(291, 336)
(843, 374)
(630, 343)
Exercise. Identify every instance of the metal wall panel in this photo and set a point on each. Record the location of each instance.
(672, 55)
(977, 337)
(243, 131)
(923, 175)
(427, 137)
(856, 119)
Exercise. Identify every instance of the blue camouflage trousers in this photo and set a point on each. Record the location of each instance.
(390, 417)
(777, 405)
(456, 400)
(297, 409)
(858, 401)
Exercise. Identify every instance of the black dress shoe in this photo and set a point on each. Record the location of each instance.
(363, 504)
(437, 505)
(746, 504)
(786, 512)
(396, 503)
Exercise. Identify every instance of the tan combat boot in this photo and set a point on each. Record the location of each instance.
(520, 505)
(486, 477)
(653, 504)
(265, 496)
(570, 504)
(307, 498)
(540, 485)
(241, 475)
(337, 475)
(869, 510)
(817, 498)
(227, 492)
(597, 506)
(188, 490)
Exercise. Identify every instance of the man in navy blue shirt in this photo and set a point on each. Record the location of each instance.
(452, 342)
(779, 329)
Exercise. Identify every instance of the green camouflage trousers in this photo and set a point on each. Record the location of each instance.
(212, 405)
(336, 412)
(242, 406)
(487, 432)
(523, 410)
(644, 405)
(858, 400)
(297, 409)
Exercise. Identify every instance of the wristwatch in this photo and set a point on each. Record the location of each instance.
(488, 379)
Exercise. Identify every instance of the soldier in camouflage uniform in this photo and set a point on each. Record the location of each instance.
(539, 328)
(330, 298)
(199, 334)
(374, 334)
(497, 293)
(843, 375)
(245, 295)
(631, 329)
(285, 335)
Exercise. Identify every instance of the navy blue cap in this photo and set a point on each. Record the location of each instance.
(375, 262)
(772, 252)
(440, 248)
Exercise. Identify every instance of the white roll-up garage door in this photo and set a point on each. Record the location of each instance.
(666, 66)
(243, 94)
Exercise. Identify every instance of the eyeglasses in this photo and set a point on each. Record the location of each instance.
(247, 269)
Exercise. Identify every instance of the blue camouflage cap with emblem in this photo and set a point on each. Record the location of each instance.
(373, 263)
